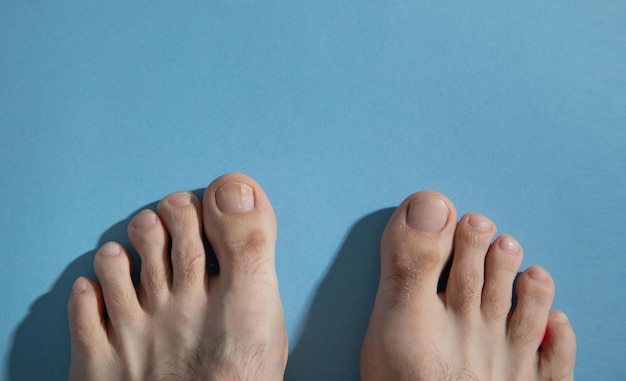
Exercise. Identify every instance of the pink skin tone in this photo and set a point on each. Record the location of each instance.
(182, 323)
(467, 332)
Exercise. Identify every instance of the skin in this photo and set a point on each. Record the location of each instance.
(468, 331)
(182, 323)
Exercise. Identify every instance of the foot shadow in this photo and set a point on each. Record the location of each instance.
(41, 344)
(330, 344)
(328, 347)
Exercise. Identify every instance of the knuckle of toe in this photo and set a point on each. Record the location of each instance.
(474, 239)
(190, 256)
(470, 284)
(408, 273)
(83, 340)
(413, 268)
(191, 269)
(248, 254)
(154, 279)
(522, 333)
(496, 306)
(122, 304)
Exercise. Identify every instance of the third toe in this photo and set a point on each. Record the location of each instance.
(501, 266)
(151, 241)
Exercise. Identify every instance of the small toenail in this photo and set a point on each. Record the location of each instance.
(509, 244)
(144, 220)
(428, 214)
(79, 287)
(537, 273)
(110, 250)
(560, 317)
(479, 223)
(235, 197)
(179, 199)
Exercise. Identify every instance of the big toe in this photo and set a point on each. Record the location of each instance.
(415, 247)
(241, 227)
(240, 224)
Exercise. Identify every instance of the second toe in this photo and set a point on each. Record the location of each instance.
(473, 236)
(180, 212)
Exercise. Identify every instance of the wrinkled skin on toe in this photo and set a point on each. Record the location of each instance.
(181, 322)
(469, 331)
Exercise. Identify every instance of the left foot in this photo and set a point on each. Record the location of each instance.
(182, 323)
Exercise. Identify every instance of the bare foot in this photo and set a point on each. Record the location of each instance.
(182, 323)
(468, 331)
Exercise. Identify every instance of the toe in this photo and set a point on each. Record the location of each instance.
(415, 247)
(113, 268)
(473, 236)
(558, 349)
(86, 318)
(180, 212)
(151, 241)
(241, 226)
(501, 265)
(527, 324)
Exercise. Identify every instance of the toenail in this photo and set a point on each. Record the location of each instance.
(79, 287)
(509, 244)
(479, 223)
(428, 214)
(235, 198)
(560, 317)
(537, 273)
(144, 220)
(179, 199)
(110, 250)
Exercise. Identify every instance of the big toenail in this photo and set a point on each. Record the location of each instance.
(428, 214)
(110, 250)
(144, 220)
(179, 199)
(479, 223)
(235, 198)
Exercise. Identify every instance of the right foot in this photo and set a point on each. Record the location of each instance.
(468, 331)
(182, 323)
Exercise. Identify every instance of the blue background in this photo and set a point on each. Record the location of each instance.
(340, 110)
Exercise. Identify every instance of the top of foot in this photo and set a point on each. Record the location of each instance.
(181, 322)
(468, 331)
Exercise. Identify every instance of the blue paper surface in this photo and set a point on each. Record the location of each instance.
(340, 110)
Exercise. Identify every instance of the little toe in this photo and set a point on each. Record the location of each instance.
(501, 266)
(558, 349)
(86, 317)
(241, 226)
(473, 236)
(113, 268)
(180, 212)
(149, 237)
(527, 323)
(415, 247)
